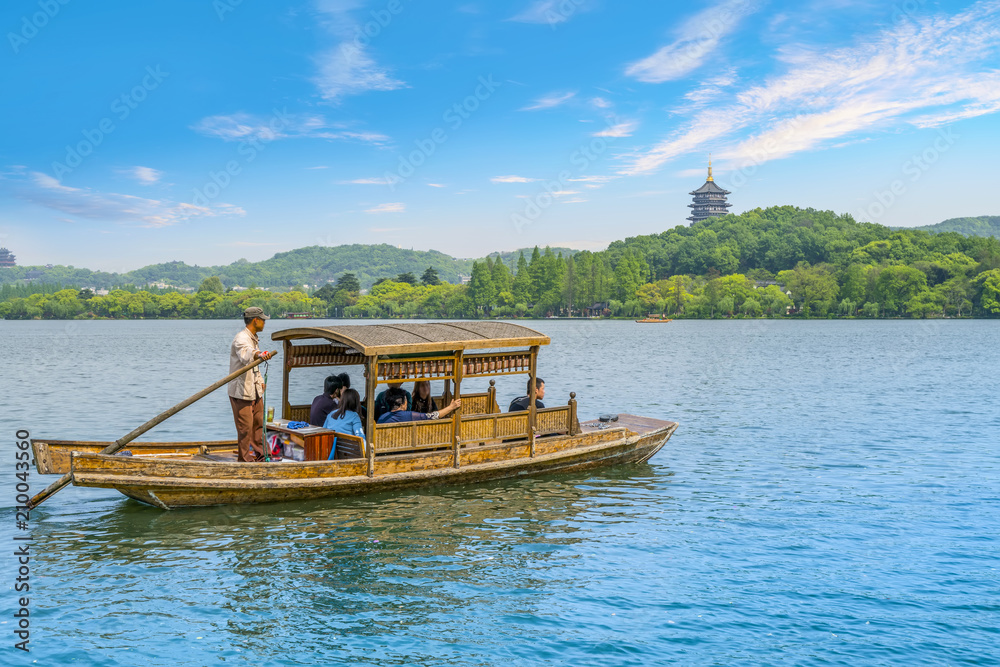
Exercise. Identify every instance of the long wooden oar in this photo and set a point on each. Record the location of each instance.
(163, 416)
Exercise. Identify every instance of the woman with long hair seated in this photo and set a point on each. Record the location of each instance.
(345, 419)
(422, 399)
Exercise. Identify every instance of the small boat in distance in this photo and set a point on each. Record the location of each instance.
(649, 319)
(476, 442)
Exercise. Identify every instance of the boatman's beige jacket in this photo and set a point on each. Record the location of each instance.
(250, 385)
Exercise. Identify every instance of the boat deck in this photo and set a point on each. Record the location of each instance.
(639, 425)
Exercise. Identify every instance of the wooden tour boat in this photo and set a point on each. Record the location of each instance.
(476, 442)
(649, 319)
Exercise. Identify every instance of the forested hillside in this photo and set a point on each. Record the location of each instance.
(775, 262)
(984, 225)
(314, 265)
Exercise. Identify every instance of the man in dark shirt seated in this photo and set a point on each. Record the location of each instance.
(398, 404)
(380, 403)
(521, 404)
(325, 403)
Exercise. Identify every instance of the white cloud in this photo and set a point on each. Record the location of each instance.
(46, 191)
(387, 208)
(618, 131)
(928, 71)
(550, 101)
(593, 182)
(348, 70)
(280, 125)
(512, 179)
(145, 175)
(695, 41)
(436, 185)
(601, 103)
(711, 89)
(364, 181)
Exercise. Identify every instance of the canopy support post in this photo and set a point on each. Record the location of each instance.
(371, 383)
(286, 405)
(532, 412)
(457, 414)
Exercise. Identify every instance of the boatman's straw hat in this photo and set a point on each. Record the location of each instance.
(254, 311)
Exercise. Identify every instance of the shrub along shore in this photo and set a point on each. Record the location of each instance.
(775, 262)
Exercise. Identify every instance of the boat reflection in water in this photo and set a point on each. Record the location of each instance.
(340, 574)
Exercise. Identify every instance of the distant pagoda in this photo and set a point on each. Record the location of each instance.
(6, 258)
(709, 200)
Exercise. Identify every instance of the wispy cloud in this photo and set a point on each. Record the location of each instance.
(43, 190)
(436, 185)
(387, 208)
(145, 175)
(348, 68)
(694, 42)
(927, 71)
(593, 182)
(512, 179)
(711, 89)
(246, 127)
(377, 180)
(620, 130)
(550, 101)
(601, 103)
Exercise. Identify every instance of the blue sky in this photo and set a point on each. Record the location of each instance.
(205, 131)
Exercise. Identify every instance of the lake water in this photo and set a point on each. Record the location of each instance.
(831, 497)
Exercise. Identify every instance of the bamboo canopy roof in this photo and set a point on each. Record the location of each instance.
(409, 338)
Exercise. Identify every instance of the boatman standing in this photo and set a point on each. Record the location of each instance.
(246, 393)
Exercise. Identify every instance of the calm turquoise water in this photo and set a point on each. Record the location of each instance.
(831, 497)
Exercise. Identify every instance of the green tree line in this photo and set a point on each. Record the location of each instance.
(775, 262)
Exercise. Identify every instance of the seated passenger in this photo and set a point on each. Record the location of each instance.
(397, 400)
(422, 399)
(380, 406)
(521, 404)
(345, 419)
(326, 402)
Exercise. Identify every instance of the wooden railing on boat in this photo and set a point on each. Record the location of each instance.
(474, 429)
(413, 436)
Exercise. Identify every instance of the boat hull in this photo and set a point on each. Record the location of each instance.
(174, 483)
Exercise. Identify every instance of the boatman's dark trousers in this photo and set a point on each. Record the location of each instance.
(249, 416)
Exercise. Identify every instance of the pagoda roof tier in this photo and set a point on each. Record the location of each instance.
(710, 187)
